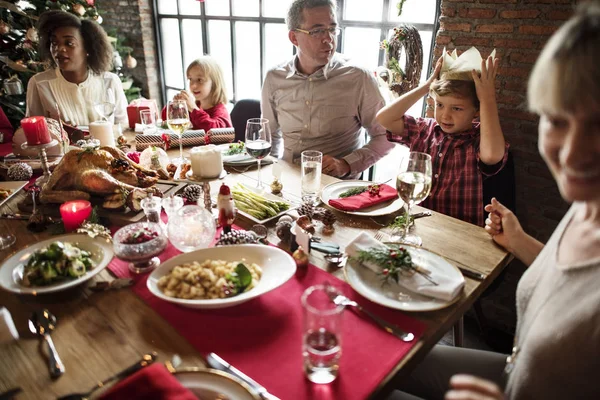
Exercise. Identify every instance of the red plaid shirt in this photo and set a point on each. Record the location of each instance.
(457, 172)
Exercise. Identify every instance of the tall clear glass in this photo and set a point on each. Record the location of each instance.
(413, 184)
(258, 141)
(311, 176)
(178, 120)
(106, 106)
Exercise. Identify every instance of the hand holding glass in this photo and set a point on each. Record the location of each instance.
(258, 141)
(178, 120)
(413, 184)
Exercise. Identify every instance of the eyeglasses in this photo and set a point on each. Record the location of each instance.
(321, 32)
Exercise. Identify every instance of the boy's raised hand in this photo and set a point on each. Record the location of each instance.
(436, 72)
(486, 84)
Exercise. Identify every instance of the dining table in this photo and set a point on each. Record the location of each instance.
(100, 333)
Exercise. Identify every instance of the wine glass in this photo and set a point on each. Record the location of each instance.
(258, 141)
(178, 120)
(106, 107)
(413, 184)
(6, 240)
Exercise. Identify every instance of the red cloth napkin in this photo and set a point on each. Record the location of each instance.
(365, 199)
(151, 383)
(263, 337)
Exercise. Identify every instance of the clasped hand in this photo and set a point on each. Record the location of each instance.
(188, 98)
(335, 167)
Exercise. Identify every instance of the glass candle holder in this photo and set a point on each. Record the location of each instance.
(140, 244)
(74, 212)
(171, 204)
(191, 228)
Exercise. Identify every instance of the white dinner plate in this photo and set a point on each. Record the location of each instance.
(333, 191)
(11, 271)
(392, 295)
(235, 158)
(277, 268)
(13, 186)
(205, 383)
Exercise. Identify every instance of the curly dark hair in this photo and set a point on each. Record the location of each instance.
(95, 40)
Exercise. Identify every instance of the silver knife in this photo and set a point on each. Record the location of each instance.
(217, 362)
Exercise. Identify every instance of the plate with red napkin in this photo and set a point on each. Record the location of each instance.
(371, 203)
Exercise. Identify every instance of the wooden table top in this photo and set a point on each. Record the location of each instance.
(99, 334)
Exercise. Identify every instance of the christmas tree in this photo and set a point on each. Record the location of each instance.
(19, 58)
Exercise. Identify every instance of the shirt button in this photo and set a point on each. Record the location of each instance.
(436, 175)
(440, 154)
(307, 102)
(306, 126)
(310, 79)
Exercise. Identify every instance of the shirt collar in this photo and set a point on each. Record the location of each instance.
(324, 71)
(468, 134)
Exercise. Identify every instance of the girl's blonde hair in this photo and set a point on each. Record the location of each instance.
(566, 75)
(211, 69)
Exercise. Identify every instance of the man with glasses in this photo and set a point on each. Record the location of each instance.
(321, 101)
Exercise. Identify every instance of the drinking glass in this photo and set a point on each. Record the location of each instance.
(311, 176)
(140, 244)
(258, 141)
(321, 339)
(178, 120)
(148, 120)
(171, 204)
(6, 240)
(106, 107)
(413, 184)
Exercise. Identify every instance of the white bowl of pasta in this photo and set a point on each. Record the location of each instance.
(213, 277)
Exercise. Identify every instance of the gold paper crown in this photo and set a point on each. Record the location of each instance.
(460, 67)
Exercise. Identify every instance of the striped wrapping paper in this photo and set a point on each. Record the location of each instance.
(189, 138)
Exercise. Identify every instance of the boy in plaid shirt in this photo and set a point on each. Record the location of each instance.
(462, 151)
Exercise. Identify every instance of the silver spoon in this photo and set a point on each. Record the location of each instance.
(42, 324)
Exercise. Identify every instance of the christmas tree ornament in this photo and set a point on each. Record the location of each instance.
(301, 258)
(4, 28)
(13, 86)
(130, 62)
(117, 60)
(78, 9)
(192, 193)
(276, 186)
(237, 237)
(226, 208)
(20, 172)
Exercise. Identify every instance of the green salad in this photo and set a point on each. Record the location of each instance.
(234, 148)
(55, 262)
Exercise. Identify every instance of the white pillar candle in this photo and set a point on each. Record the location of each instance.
(103, 131)
(207, 161)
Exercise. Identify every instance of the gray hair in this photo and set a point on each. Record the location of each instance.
(294, 16)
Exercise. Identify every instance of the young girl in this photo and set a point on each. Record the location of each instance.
(206, 97)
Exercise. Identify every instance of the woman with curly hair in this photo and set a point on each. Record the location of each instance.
(81, 55)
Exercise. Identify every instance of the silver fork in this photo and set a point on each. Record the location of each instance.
(379, 236)
(394, 330)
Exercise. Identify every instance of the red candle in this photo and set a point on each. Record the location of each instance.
(74, 212)
(36, 130)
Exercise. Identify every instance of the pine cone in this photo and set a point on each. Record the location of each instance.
(192, 193)
(237, 237)
(306, 209)
(327, 217)
(19, 172)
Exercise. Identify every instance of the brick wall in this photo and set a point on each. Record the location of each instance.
(134, 21)
(518, 30)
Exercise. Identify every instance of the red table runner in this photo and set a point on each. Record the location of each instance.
(263, 337)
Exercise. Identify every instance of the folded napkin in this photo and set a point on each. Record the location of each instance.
(365, 199)
(152, 383)
(449, 284)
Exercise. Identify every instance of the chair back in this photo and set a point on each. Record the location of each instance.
(502, 186)
(242, 111)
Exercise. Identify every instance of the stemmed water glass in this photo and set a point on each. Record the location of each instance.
(178, 119)
(106, 107)
(413, 184)
(258, 141)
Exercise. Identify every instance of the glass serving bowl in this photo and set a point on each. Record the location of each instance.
(139, 244)
(191, 228)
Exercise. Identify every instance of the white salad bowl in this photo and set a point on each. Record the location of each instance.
(277, 268)
(11, 271)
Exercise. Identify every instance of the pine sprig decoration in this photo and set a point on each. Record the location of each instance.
(354, 191)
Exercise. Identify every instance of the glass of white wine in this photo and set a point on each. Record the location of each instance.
(258, 141)
(413, 184)
(178, 120)
(106, 107)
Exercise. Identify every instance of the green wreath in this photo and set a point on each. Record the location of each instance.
(407, 38)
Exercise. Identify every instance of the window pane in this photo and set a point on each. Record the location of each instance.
(219, 7)
(189, 7)
(171, 93)
(278, 47)
(362, 45)
(356, 10)
(171, 52)
(219, 44)
(422, 11)
(167, 7)
(247, 60)
(245, 8)
(192, 40)
(276, 8)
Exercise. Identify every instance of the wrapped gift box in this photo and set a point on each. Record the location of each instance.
(137, 105)
(189, 138)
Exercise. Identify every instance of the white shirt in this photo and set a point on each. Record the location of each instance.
(75, 101)
(325, 111)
